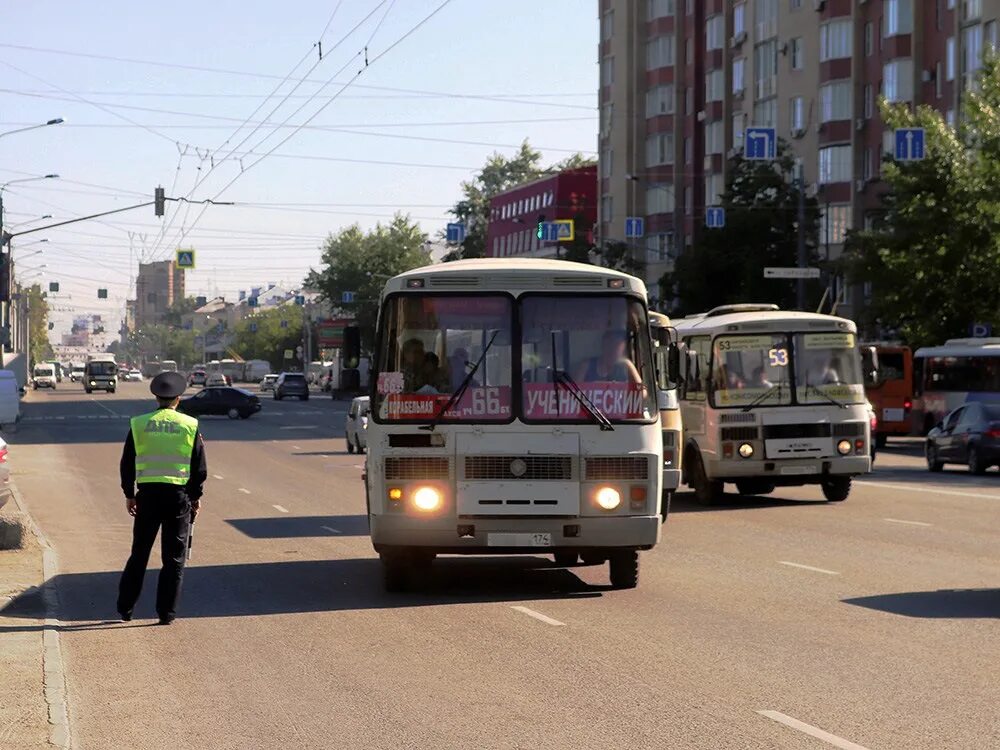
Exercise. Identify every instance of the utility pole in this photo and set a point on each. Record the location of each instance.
(800, 284)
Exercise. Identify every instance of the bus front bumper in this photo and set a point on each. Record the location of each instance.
(472, 536)
(789, 472)
(671, 479)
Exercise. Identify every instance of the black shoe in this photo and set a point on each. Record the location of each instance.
(126, 616)
(166, 620)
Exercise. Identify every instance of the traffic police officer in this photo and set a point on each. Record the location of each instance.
(165, 455)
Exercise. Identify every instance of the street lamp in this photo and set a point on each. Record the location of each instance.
(27, 179)
(36, 252)
(30, 221)
(54, 121)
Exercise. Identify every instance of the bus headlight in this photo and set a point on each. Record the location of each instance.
(844, 447)
(608, 498)
(746, 450)
(427, 499)
(93, 382)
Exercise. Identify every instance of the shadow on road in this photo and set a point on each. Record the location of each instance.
(298, 527)
(301, 586)
(685, 503)
(940, 604)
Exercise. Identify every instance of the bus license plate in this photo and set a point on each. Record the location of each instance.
(519, 540)
(892, 415)
(799, 470)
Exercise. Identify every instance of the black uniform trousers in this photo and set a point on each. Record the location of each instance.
(167, 509)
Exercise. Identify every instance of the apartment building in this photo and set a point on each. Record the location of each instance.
(681, 80)
(158, 286)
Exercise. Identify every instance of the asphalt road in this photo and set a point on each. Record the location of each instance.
(756, 625)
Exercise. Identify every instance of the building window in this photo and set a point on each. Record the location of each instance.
(607, 25)
(738, 125)
(971, 9)
(765, 69)
(714, 84)
(938, 82)
(607, 162)
(688, 201)
(834, 223)
(797, 113)
(714, 188)
(659, 149)
(898, 81)
(607, 118)
(835, 164)
(869, 40)
(660, 52)
(659, 199)
(835, 40)
(607, 212)
(797, 53)
(765, 113)
(660, 101)
(867, 165)
(972, 50)
(689, 52)
(659, 247)
(689, 101)
(496, 246)
(739, 72)
(739, 18)
(715, 137)
(688, 151)
(835, 101)
(766, 19)
(949, 59)
(659, 9)
(795, 4)
(607, 71)
(949, 117)
(714, 31)
(898, 17)
(990, 36)
(869, 101)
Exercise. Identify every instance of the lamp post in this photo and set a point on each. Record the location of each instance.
(17, 182)
(54, 121)
(30, 221)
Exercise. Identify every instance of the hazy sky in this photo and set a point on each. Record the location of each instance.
(487, 74)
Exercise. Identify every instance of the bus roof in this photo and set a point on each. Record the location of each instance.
(764, 320)
(509, 274)
(962, 348)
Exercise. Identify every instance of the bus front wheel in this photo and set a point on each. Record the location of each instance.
(624, 569)
(836, 489)
(706, 491)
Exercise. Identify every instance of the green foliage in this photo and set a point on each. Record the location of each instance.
(38, 325)
(161, 342)
(361, 262)
(933, 256)
(271, 338)
(179, 309)
(727, 266)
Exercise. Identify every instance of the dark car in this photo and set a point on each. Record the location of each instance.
(197, 377)
(291, 384)
(234, 402)
(969, 435)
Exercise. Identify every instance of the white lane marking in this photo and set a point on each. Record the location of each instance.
(218, 476)
(244, 490)
(538, 616)
(296, 447)
(931, 490)
(819, 734)
(329, 528)
(280, 508)
(359, 466)
(299, 427)
(109, 411)
(910, 523)
(809, 567)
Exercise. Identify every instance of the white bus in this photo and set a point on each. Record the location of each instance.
(772, 398)
(945, 377)
(514, 411)
(665, 354)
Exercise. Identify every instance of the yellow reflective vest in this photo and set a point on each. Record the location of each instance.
(164, 441)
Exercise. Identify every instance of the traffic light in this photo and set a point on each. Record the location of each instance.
(102, 294)
(540, 228)
(159, 201)
(352, 347)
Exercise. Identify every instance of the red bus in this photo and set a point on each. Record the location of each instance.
(891, 393)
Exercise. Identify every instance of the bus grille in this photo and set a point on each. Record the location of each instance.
(617, 467)
(540, 468)
(417, 467)
(849, 429)
(739, 433)
(793, 431)
(739, 418)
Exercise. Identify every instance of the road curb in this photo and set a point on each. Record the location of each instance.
(54, 673)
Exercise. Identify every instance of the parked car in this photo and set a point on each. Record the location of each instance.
(197, 377)
(356, 426)
(267, 384)
(133, 376)
(291, 384)
(43, 376)
(212, 400)
(969, 435)
(215, 379)
(76, 373)
(10, 400)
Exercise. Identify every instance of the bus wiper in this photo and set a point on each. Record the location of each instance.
(563, 378)
(460, 391)
(825, 395)
(763, 397)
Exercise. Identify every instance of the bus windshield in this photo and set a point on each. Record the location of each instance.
(827, 366)
(102, 368)
(601, 343)
(746, 367)
(430, 344)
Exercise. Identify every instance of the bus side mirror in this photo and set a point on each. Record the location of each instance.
(869, 356)
(673, 363)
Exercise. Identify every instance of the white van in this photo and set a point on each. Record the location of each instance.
(10, 400)
(43, 376)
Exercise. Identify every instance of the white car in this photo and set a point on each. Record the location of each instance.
(43, 376)
(267, 384)
(356, 426)
(133, 376)
(216, 378)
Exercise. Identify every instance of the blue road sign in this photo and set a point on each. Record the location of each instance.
(347, 297)
(715, 217)
(635, 227)
(550, 231)
(761, 144)
(981, 330)
(909, 144)
(185, 259)
(455, 232)
(300, 299)
(253, 328)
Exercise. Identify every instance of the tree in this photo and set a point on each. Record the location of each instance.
(727, 265)
(269, 333)
(933, 256)
(178, 310)
(38, 325)
(361, 262)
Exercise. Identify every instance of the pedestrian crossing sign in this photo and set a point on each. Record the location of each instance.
(185, 258)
